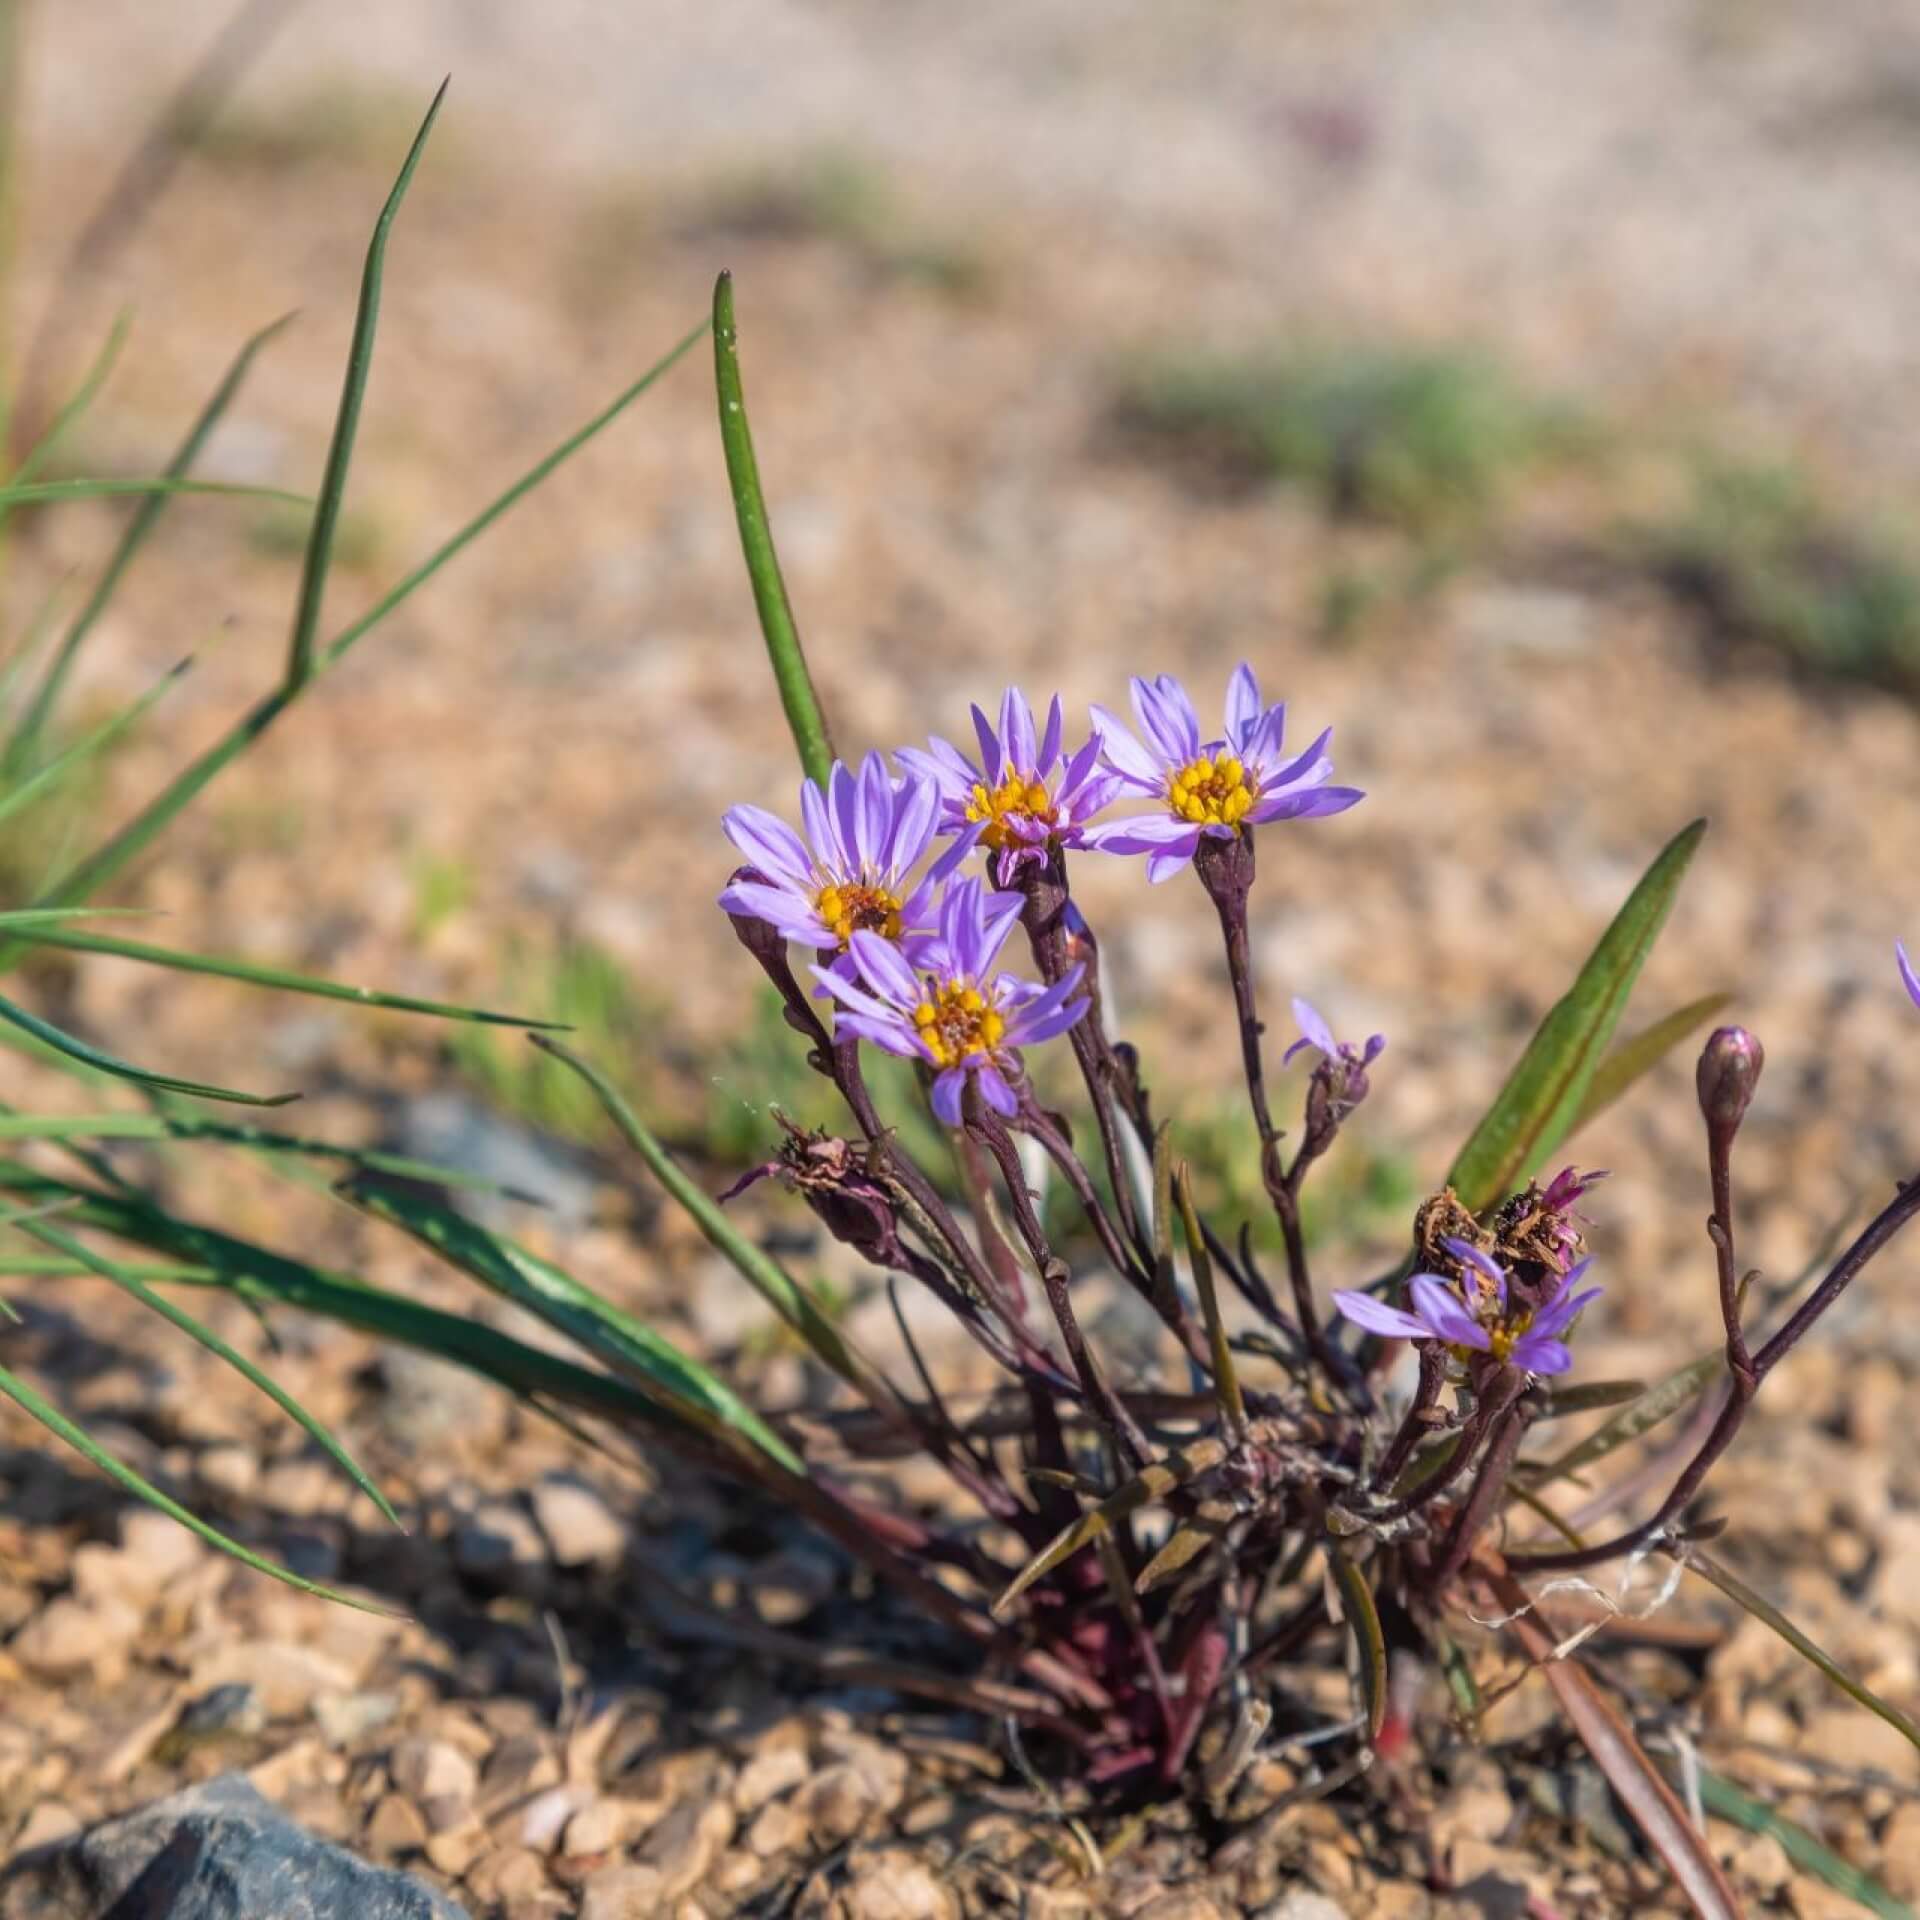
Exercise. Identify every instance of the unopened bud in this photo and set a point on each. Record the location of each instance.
(761, 938)
(1729, 1071)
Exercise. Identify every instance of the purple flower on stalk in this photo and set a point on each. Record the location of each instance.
(1314, 1032)
(1025, 795)
(1479, 1322)
(864, 837)
(1907, 973)
(1213, 787)
(959, 1015)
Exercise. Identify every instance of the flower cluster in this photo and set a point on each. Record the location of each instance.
(911, 949)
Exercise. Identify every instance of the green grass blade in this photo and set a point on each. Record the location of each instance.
(481, 521)
(804, 717)
(1639, 1055)
(204, 1335)
(20, 917)
(1763, 1610)
(46, 697)
(84, 1444)
(42, 782)
(51, 492)
(1723, 1798)
(333, 483)
(69, 415)
(613, 1336)
(276, 977)
(65, 1043)
(761, 1271)
(1535, 1109)
(48, 1266)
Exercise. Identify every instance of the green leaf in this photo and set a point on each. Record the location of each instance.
(62, 423)
(276, 977)
(197, 1330)
(1632, 1058)
(1152, 1483)
(20, 748)
(1737, 1590)
(612, 1335)
(46, 492)
(760, 1270)
(804, 717)
(1722, 1797)
(333, 482)
(106, 1063)
(1663, 1399)
(46, 778)
(83, 1443)
(1364, 1618)
(1536, 1108)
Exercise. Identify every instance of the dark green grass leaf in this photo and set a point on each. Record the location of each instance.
(612, 1335)
(1536, 1108)
(1722, 1797)
(65, 1043)
(200, 1332)
(797, 696)
(276, 977)
(69, 415)
(333, 483)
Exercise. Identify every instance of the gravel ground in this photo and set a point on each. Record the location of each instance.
(1694, 218)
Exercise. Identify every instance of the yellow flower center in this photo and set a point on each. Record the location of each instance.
(855, 909)
(1211, 793)
(957, 1023)
(1014, 795)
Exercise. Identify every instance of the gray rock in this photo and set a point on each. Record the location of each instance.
(454, 1131)
(215, 1852)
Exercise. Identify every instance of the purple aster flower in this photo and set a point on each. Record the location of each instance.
(865, 835)
(1314, 1032)
(1025, 795)
(1479, 1321)
(956, 1013)
(1212, 787)
(1907, 973)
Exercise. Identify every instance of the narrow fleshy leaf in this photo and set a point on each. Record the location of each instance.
(1641, 1054)
(44, 780)
(1763, 1610)
(90, 1449)
(346, 425)
(759, 1269)
(1660, 1401)
(1641, 1787)
(1588, 1397)
(1722, 1798)
(278, 978)
(1534, 1111)
(612, 1335)
(1184, 1545)
(47, 695)
(197, 1330)
(1226, 1381)
(60, 1042)
(1363, 1617)
(805, 720)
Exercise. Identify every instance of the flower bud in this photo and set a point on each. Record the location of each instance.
(761, 938)
(1729, 1071)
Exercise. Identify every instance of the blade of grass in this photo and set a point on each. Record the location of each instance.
(106, 1063)
(1639, 1055)
(1722, 1797)
(761, 1271)
(37, 455)
(46, 778)
(333, 481)
(24, 742)
(797, 695)
(612, 1335)
(1710, 1570)
(85, 1445)
(278, 978)
(30, 493)
(1534, 1110)
(204, 1335)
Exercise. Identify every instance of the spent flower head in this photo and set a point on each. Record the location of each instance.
(1210, 788)
(1476, 1314)
(958, 1013)
(1026, 794)
(851, 874)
